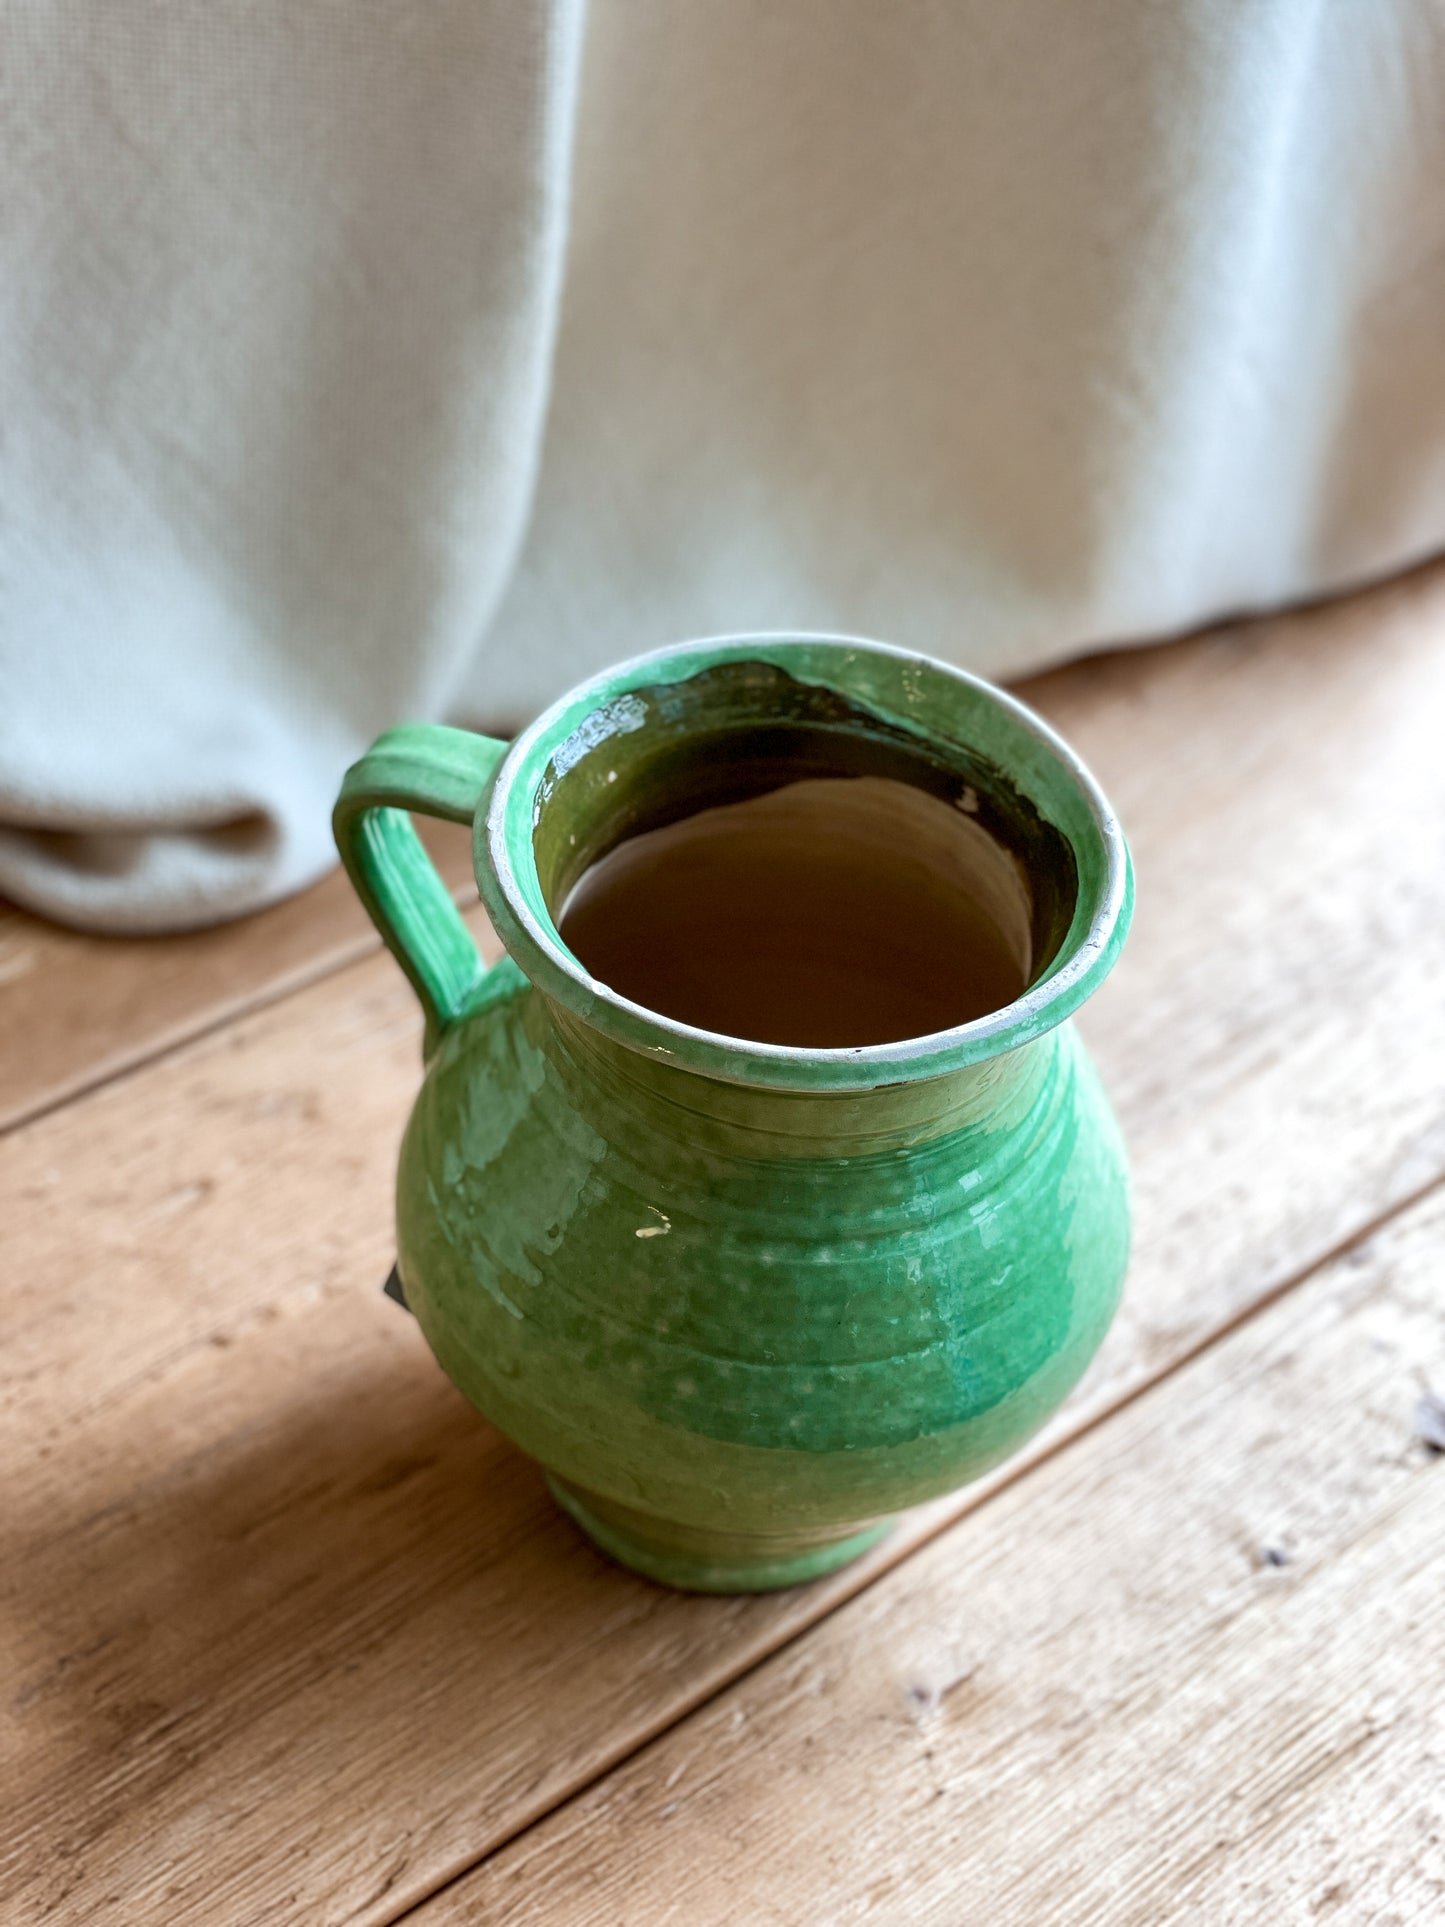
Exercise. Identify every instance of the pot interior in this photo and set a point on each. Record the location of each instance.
(743, 782)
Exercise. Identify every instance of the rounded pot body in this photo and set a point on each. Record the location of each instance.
(740, 1333)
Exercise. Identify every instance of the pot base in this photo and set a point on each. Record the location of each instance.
(696, 1560)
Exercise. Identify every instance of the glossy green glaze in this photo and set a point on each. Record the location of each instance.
(744, 1302)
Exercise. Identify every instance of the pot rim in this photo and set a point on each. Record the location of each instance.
(506, 871)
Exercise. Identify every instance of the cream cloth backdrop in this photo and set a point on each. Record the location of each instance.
(412, 358)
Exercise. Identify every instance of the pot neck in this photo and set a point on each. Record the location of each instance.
(628, 1090)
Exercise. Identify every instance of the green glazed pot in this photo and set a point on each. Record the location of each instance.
(745, 1301)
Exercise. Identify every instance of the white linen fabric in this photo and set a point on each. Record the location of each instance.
(365, 360)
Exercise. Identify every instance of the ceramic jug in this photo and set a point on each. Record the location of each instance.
(744, 1301)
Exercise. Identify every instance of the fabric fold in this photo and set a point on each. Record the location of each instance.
(363, 364)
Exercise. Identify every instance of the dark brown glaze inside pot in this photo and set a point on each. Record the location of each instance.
(759, 857)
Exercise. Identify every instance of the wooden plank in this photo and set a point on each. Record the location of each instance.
(1099, 1698)
(294, 1635)
(1284, 793)
(76, 1009)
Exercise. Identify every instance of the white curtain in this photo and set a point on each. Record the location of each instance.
(363, 360)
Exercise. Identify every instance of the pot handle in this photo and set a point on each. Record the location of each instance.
(441, 772)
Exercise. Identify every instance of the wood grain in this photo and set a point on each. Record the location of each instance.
(293, 1636)
(76, 1009)
(1098, 1699)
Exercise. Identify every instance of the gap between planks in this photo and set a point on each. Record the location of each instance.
(79, 1011)
(1066, 1709)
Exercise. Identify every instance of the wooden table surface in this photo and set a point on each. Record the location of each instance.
(290, 1634)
